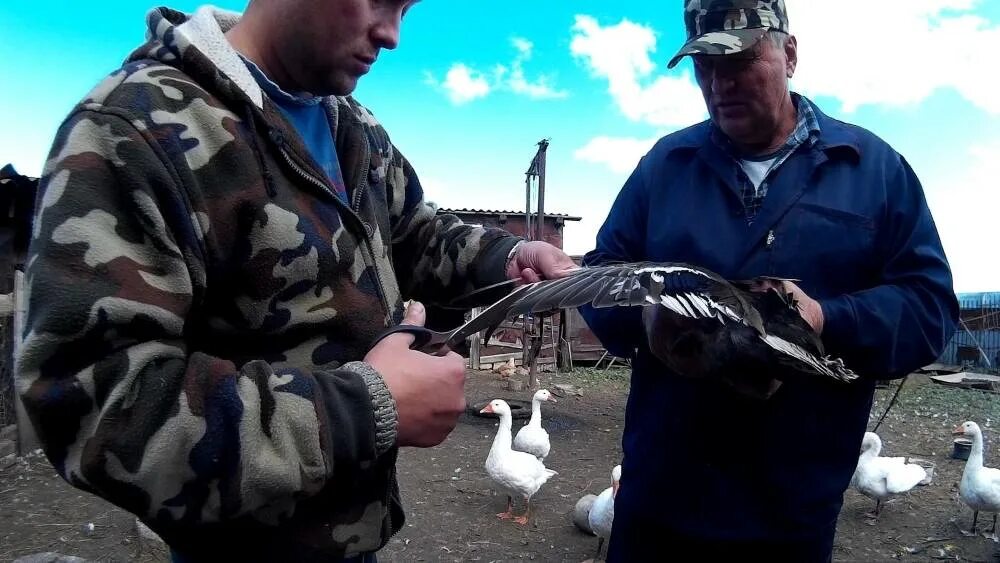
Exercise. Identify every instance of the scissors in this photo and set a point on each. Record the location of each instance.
(438, 343)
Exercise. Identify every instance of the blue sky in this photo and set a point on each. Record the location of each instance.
(475, 85)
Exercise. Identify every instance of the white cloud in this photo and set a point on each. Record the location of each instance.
(964, 204)
(621, 155)
(620, 54)
(469, 84)
(461, 84)
(523, 45)
(895, 52)
(541, 88)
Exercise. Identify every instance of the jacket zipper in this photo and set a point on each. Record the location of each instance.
(355, 203)
(320, 184)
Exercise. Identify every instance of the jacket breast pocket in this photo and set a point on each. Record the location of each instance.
(825, 246)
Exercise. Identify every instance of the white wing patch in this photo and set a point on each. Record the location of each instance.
(661, 270)
(801, 354)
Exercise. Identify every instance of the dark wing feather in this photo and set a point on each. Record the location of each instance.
(618, 285)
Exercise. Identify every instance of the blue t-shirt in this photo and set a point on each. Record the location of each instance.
(308, 115)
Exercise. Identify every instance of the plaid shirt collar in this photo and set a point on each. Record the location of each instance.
(807, 131)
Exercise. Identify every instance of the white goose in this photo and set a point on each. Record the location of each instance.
(532, 438)
(980, 486)
(517, 472)
(602, 512)
(881, 477)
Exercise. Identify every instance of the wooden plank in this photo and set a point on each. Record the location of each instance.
(501, 358)
(969, 380)
(27, 440)
(940, 368)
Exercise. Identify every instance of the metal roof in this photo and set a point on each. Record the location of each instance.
(466, 211)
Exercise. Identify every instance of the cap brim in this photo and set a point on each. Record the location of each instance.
(719, 43)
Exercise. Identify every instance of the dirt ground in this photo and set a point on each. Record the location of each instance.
(451, 506)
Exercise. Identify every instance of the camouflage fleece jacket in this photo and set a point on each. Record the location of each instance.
(199, 301)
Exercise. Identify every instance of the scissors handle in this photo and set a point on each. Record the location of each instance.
(424, 339)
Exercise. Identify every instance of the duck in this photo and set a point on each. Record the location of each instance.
(518, 473)
(602, 512)
(980, 486)
(532, 438)
(878, 477)
(746, 334)
(696, 322)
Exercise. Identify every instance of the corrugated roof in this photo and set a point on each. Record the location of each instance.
(466, 211)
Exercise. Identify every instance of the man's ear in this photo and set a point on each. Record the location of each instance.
(791, 55)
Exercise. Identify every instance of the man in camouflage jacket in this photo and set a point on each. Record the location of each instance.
(201, 303)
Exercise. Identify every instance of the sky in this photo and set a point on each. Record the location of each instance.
(474, 86)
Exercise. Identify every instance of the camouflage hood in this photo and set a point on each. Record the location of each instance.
(202, 369)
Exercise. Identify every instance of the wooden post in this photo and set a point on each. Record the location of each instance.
(564, 354)
(543, 145)
(536, 346)
(27, 440)
(475, 343)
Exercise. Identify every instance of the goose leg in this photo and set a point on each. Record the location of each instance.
(523, 519)
(872, 515)
(972, 530)
(600, 547)
(509, 514)
(993, 531)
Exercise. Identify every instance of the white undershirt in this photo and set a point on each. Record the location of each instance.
(756, 170)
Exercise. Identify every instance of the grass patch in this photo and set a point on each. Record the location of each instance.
(592, 376)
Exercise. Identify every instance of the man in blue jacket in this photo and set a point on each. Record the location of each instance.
(769, 185)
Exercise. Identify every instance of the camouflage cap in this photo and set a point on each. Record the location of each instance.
(722, 27)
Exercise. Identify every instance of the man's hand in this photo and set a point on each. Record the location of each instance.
(428, 390)
(809, 308)
(537, 260)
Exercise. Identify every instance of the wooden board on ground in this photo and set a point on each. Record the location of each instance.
(969, 380)
(940, 368)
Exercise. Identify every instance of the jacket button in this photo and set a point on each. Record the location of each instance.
(369, 229)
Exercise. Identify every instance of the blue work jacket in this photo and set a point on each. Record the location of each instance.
(847, 217)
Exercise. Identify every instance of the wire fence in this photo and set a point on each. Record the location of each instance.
(976, 343)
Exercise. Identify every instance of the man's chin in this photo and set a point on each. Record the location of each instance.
(342, 85)
(740, 131)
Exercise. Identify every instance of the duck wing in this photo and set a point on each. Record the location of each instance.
(688, 290)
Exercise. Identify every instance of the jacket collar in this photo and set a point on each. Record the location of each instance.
(834, 134)
(199, 41)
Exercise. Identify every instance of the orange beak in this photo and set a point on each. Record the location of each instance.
(552, 399)
(487, 409)
(958, 431)
(614, 489)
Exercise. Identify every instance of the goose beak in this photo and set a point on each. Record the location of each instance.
(958, 431)
(487, 409)
(552, 399)
(614, 489)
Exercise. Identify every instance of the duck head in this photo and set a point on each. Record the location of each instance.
(496, 406)
(544, 395)
(967, 428)
(871, 443)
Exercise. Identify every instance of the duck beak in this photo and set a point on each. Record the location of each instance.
(487, 409)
